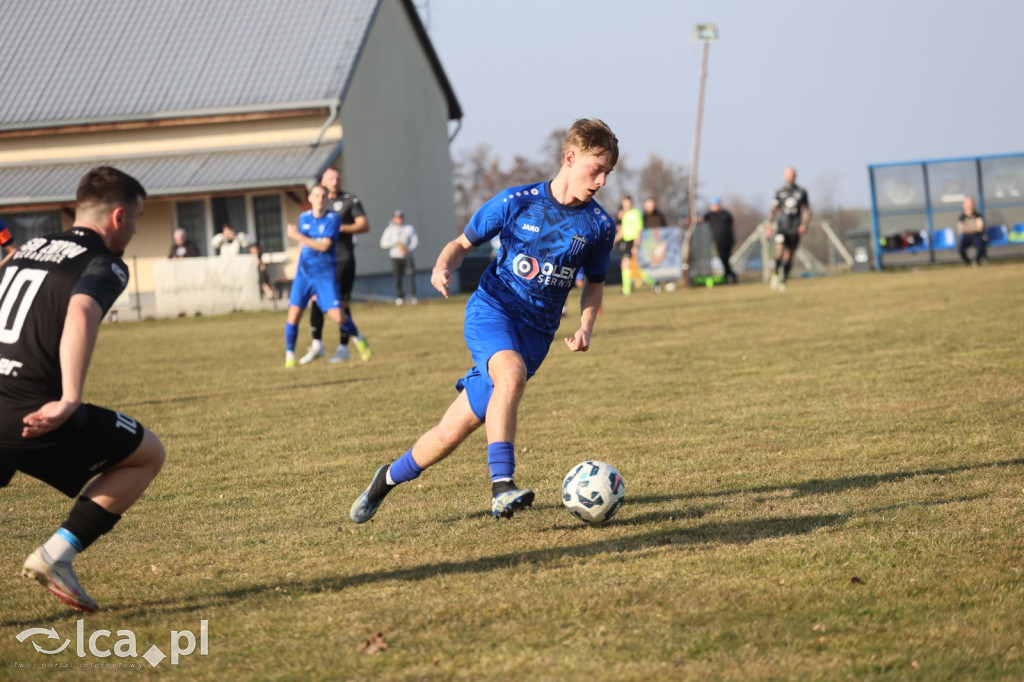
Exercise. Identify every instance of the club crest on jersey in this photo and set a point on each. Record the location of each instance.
(576, 245)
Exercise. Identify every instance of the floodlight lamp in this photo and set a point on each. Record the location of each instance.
(705, 33)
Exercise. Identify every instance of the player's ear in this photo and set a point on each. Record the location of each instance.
(117, 217)
(570, 157)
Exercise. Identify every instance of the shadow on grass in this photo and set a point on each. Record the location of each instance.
(711, 533)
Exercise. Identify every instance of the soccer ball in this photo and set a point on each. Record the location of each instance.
(593, 491)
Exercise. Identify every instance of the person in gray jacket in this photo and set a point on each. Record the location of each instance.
(400, 239)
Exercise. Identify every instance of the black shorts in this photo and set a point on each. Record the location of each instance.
(790, 239)
(624, 248)
(92, 440)
(346, 276)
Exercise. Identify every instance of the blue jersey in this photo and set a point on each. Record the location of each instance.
(543, 245)
(311, 261)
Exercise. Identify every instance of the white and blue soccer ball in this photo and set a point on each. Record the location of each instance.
(593, 491)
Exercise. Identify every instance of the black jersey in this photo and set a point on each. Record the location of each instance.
(348, 206)
(35, 288)
(790, 200)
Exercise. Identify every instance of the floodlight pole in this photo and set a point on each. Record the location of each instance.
(705, 33)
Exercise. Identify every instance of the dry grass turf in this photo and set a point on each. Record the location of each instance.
(822, 484)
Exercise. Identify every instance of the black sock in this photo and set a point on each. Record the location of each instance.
(499, 487)
(87, 521)
(379, 487)
(348, 315)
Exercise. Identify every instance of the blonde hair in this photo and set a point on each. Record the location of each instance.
(592, 135)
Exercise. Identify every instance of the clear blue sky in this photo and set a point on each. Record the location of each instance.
(828, 87)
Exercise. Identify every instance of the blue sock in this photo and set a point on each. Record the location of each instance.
(501, 458)
(349, 327)
(291, 335)
(405, 468)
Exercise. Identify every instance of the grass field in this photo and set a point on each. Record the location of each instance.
(822, 484)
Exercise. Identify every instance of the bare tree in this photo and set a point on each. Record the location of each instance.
(669, 184)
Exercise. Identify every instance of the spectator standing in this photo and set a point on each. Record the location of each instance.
(724, 234)
(182, 246)
(229, 242)
(653, 216)
(400, 239)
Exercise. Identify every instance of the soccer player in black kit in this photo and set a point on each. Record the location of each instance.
(353, 221)
(54, 293)
(791, 213)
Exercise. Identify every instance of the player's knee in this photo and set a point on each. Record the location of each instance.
(153, 453)
(510, 379)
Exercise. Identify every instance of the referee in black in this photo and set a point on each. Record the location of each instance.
(54, 293)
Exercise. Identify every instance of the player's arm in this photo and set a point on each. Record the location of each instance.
(7, 241)
(772, 212)
(322, 244)
(360, 225)
(805, 216)
(81, 327)
(451, 257)
(590, 303)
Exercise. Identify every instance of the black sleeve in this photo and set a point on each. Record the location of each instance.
(104, 279)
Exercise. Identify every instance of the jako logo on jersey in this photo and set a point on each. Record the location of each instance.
(525, 266)
(531, 228)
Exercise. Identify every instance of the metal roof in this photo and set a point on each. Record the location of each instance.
(68, 62)
(248, 169)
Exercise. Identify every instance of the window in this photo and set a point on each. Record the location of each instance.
(261, 216)
(25, 226)
(266, 210)
(230, 210)
(191, 217)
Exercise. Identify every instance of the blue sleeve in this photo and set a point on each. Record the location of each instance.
(596, 265)
(487, 222)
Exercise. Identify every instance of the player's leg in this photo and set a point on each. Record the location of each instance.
(458, 422)
(301, 293)
(104, 436)
(410, 273)
(508, 373)
(291, 335)
(398, 274)
(626, 267)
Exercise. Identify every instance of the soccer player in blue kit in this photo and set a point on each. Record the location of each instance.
(549, 231)
(317, 232)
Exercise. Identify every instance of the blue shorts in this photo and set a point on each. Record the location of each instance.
(324, 286)
(487, 330)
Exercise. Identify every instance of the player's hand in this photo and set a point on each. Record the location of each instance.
(801, 229)
(47, 418)
(441, 280)
(293, 231)
(578, 342)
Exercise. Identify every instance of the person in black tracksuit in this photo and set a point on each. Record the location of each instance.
(722, 231)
